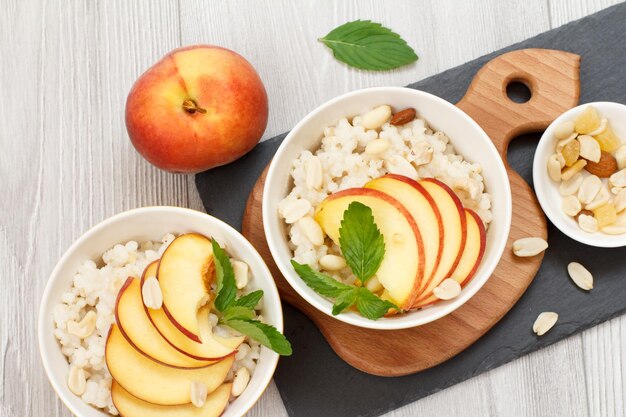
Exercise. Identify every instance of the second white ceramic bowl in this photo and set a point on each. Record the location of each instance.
(469, 140)
(142, 224)
(548, 191)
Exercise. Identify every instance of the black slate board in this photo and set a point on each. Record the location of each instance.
(315, 382)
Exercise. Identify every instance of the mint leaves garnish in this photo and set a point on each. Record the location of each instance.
(368, 304)
(250, 300)
(363, 247)
(361, 242)
(238, 313)
(367, 45)
(263, 333)
(321, 283)
(225, 277)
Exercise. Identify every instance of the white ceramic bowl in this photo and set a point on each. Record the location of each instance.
(548, 191)
(151, 223)
(468, 138)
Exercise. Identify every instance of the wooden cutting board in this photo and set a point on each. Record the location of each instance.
(553, 80)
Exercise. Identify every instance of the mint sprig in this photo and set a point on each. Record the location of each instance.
(368, 45)
(263, 333)
(225, 278)
(321, 283)
(239, 313)
(363, 247)
(361, 242)
(250, 300)
(368, 304)
(372, 307)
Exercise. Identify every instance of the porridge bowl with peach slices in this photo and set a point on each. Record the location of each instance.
(387, 208)
(161, 311)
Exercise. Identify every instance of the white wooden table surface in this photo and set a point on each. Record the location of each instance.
(66, 162)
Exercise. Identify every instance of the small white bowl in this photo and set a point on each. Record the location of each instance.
(469, 140)
(151, 223)
(548, 191)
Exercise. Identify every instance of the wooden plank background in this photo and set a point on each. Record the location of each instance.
(66, 163)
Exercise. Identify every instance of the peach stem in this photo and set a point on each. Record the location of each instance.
(191, 106)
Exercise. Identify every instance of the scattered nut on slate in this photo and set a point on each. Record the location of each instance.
(545, 321)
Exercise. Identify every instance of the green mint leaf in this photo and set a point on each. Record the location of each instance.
(322, 284)
(237, 312)
(372, 307)
(225, 277)
(344, 300)
(263, 333)
(367, 45)
(250, 300)
(361, 242)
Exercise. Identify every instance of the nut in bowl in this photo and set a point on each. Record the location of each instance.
(579, 173)
(387, 208)
(150, 313)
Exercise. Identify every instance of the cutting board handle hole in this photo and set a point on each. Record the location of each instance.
(518, 91)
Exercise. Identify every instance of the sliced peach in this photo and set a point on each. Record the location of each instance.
(402, 268)
(154, 382)
(134, 324)
(425, 213)
(454, 232)
(472, 254)
(130, 406)
(211, 347)
(185, 274)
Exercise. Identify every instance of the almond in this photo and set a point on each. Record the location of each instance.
(604, 168)
(403, 117)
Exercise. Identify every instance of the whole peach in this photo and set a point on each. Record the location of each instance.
(199, 107)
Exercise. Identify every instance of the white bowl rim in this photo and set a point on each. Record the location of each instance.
(384, 323)
(540, 178)
(44, 324)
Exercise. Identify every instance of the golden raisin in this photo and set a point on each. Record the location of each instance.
(588, 121)
(571, 152)
(608, 141)
(605, 215)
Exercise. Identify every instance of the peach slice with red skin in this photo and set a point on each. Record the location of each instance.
(211, 348)
(154, 382)
(131, 406)
(472, 254)
(425, 212)
(454, 233)
(136, 327)
(402, 268)
(185, 274)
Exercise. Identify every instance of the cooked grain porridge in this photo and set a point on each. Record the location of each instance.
(87, 311)
(351, 155)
